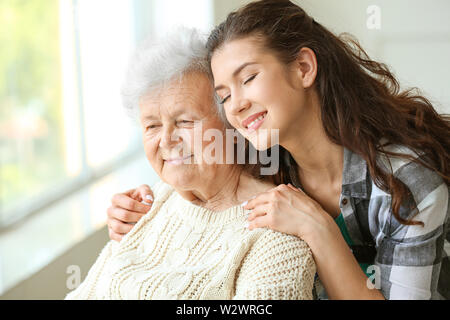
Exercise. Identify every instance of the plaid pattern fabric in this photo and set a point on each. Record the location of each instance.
(412, 261)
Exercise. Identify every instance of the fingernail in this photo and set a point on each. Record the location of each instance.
(244, 203)
(149, 197)
(146, 203)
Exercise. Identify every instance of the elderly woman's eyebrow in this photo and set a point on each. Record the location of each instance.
(149, 117)
(173, 114)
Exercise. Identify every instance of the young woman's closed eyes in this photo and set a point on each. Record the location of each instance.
(249, 79)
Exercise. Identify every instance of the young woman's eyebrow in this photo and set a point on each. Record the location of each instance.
(235, 73)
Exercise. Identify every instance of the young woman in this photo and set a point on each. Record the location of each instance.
(363, 164)
(366, 165)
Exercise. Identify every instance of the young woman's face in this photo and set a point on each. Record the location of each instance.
(258, 92)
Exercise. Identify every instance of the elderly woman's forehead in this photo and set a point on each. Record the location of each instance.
(193, 79)
(190, 91)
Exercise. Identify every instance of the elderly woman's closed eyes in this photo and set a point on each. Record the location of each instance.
(193, 243)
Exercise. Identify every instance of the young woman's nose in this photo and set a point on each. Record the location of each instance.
(240, 105)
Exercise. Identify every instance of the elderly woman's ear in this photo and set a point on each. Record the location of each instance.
(127, 209)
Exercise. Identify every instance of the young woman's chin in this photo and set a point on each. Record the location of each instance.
(261, 141)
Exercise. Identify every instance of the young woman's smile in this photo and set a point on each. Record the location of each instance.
(255, 121)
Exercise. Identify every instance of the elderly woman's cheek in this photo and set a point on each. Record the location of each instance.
(151, 145)
(189, 137)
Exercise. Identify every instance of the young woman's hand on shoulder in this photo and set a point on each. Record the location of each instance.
(289, 210)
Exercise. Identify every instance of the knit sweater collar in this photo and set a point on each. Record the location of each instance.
(201, 215)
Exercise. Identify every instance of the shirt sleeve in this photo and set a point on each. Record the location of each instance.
(409, 256)
(278, 267)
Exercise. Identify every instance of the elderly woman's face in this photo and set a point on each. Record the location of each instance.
(171, 120)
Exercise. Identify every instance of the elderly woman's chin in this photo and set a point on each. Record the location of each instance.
(179, 176)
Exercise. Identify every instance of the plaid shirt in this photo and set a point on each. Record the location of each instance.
(412, 261)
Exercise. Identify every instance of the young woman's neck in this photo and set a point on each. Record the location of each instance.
(313, 151)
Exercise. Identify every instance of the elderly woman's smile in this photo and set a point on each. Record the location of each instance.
(177, 160)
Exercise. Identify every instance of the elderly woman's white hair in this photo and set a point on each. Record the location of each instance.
(158, 63)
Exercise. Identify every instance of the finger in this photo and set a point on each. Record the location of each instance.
(125, 215)
(146, 194)
(259, 222)
(258, 211)
(131, 193)
(115, 236)
(243, 204)
(267, 196)
(257, 200)
(119, 226)
(124, 201)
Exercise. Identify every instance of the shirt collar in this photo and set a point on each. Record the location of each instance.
(355, 180)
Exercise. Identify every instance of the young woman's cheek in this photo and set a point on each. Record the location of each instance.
(232, 118)
(260, 89)
(271, 90)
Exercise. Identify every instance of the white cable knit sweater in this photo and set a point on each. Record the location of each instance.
(182, 251)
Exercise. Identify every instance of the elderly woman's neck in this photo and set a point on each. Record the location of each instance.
(219, 193)
(227, 191)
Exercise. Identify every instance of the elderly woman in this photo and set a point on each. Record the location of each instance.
(193, 243)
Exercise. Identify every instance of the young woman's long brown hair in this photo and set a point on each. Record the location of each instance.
(361, 100)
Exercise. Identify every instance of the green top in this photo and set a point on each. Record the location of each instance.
(341, 224)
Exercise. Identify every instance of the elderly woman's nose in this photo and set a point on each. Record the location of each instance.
(240, 105)
(169, 138)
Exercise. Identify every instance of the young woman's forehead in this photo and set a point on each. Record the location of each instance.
(243, 46)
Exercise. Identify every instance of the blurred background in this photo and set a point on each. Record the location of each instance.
(66, 145)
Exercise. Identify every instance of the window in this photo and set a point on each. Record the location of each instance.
(61, 120)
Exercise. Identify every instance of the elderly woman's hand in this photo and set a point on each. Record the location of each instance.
(126, 209)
